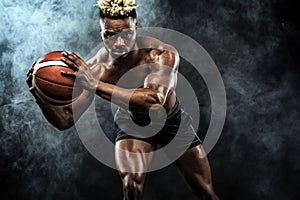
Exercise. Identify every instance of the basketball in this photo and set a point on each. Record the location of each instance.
(50, 84)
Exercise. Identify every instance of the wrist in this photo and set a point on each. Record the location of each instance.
(98, 85)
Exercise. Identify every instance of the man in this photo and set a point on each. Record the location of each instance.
(123, 51)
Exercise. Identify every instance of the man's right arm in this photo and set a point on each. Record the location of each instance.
(61, 116)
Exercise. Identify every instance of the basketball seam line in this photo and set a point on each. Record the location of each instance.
(48, 64)
(49, 98)
(53, 81)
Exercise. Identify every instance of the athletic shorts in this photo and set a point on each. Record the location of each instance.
(177, 129)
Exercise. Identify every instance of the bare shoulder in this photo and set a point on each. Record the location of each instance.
(159, 52)
(98, 57)
(97, 60)
(153, 43)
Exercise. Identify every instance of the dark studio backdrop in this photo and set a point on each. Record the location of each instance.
(255, 45)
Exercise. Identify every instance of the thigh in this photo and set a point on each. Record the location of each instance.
(133, 155)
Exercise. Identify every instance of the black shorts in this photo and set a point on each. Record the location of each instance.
(178, 126)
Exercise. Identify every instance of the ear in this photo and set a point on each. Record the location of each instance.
(101, 24)
(100, 30)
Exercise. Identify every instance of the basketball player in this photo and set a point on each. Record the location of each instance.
(123, 50)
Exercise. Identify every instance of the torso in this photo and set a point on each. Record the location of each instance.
(129, 72)
(134, 72)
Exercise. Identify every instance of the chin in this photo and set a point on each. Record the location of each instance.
(120, 55)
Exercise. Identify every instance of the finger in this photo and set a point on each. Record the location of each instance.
(74, 58)
(33, 63)
(29, 80)
(32, 89)
(71, 56)
(77, 62)
(31, 68)
(71, 74)
(70, 63)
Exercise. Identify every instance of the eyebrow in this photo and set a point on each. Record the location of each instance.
(112, 32)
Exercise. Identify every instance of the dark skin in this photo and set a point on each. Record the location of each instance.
(120, 54)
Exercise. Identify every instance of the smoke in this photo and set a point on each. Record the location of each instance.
(160, 11)
(252, 51)
(38, 159)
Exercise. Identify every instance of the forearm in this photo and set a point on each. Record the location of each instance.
(64, 116)
(80, 105)
(138, 100)
(59, 116)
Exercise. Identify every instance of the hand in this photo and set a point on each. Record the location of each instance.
(29, 79)
(81, 70)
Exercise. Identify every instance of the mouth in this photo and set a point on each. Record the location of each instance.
(119, 52)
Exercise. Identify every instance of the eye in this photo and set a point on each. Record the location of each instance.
(108, 35)
(128, 34)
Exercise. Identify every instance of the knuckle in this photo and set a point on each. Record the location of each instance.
(32, 89)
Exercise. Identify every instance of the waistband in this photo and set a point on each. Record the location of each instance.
(173, 111)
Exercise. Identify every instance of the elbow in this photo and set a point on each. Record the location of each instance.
(146, 100)
(61, 124)
(155, 107)
(153, 100)
(63, 127)
(65, 124)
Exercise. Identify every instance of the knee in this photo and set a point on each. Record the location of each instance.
(132, 185)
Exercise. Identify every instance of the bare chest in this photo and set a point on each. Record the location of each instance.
(125, 76)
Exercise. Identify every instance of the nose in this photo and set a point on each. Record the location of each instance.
(120, 41)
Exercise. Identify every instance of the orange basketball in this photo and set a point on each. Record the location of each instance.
(49, 82)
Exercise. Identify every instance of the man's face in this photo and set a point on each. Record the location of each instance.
(118, 35)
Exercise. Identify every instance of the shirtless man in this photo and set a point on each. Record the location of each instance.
(123, 50)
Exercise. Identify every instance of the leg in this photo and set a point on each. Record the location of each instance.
(132, 167)
(195, 169)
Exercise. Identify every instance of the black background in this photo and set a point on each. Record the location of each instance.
(255, 45)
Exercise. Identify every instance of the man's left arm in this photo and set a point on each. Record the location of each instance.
(157, 84)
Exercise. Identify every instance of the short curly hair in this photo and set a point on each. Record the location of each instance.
(117, 8)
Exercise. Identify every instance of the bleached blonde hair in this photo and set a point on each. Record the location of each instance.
(117, 8)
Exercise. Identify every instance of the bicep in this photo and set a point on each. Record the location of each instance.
(163, 70)
(163, 75)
